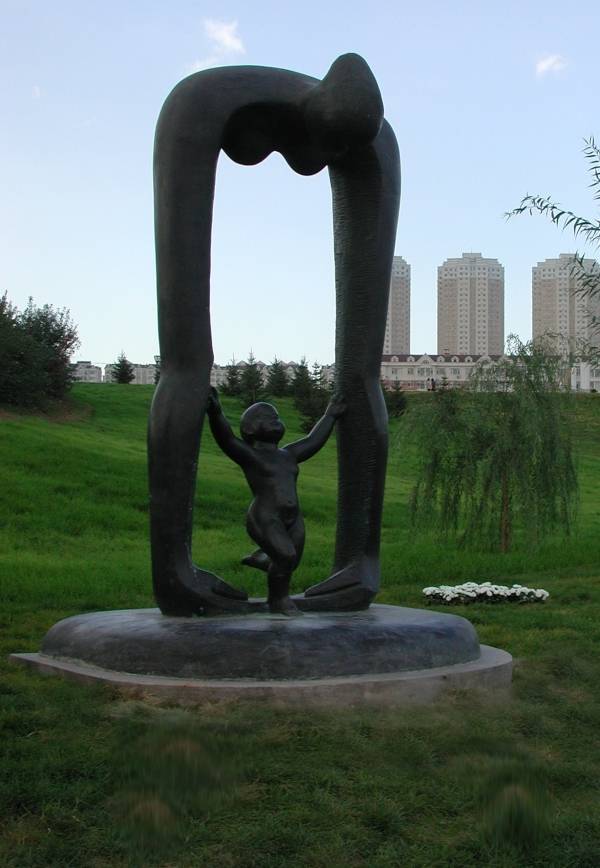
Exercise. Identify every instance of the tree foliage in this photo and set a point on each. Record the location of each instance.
(251, 387)
(588, 277)
(310, 392)
(122, 370)
(301, 384)
(497, 458)
(277, 379)
(35, 349)
(395, 400)
(231, 386)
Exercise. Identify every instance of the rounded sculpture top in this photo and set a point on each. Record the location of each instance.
(345, 109)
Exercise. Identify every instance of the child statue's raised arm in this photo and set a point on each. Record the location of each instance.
(231, 445)
(316, 439)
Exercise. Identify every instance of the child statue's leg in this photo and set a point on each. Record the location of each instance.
(258, 559)
(279, 599)
(283, 546)
(290, 542)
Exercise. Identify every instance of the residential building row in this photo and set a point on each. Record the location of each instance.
(411, 372)
(218, 374)
(426, 372)
(470, 324)
(470, 305)
(86, 372)
(143, 375)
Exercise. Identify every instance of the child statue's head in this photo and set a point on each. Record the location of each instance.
(261, 422)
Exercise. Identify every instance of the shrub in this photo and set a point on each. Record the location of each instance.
(35, 348)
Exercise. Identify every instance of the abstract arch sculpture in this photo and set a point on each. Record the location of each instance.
(249, 112)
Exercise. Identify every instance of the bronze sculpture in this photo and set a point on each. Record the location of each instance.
(274, 519)
(342, 656)
(249, 112)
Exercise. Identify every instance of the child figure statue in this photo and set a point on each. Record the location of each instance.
(274, 519)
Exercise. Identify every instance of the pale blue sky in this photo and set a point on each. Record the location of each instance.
(489, 101)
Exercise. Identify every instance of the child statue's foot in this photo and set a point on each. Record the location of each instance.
(258, 559)
(283, 606)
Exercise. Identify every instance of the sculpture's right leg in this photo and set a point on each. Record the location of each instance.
(184, 188)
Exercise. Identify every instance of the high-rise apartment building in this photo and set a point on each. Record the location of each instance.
(397, 327)
(557, 308)
(471, 306)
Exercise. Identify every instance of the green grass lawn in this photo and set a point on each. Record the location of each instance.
(90, 779)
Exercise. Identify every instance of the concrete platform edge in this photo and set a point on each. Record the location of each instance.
(490, 674)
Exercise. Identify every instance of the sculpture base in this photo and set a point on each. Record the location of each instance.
(385, 654)
(490, 676)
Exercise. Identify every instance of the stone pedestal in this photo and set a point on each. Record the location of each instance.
(385, 654)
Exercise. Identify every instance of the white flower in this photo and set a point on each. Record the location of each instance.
(469, 592)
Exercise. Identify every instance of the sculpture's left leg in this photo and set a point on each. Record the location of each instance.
(366, 195)
(184, 186)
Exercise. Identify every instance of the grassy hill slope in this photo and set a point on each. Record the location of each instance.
(74, 518)
(87, 779)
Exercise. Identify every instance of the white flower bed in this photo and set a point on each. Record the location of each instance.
(471, 592)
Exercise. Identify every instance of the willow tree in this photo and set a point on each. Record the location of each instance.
(497, 458)
(587, 229)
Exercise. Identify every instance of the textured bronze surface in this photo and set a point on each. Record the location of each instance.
(248, 112)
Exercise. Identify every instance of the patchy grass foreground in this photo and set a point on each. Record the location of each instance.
(90, 779)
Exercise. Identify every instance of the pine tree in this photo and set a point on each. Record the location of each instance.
(316, 376)
(122, 370)
(251, 383)
(277, 379)
(395, 400)
(310, 395)
(319, 398)
(321, 385)
(301, 385)
(231, 386)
